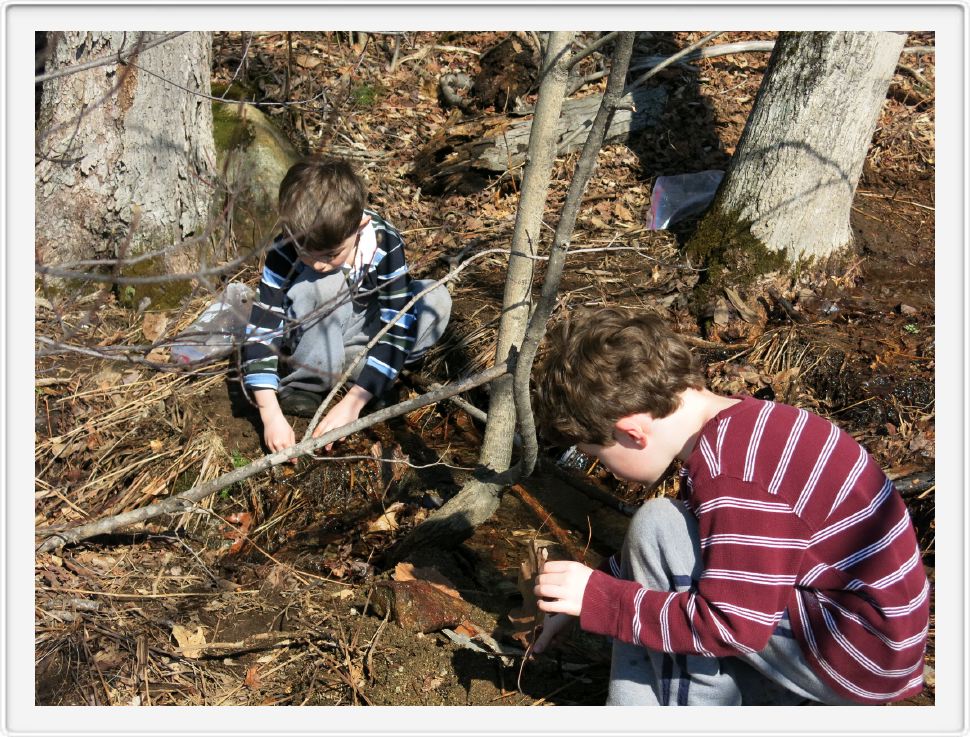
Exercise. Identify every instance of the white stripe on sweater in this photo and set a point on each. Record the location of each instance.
(765, 579)
(786, 455)
(749, 614)
(755, 441)
(733, 502)
(759, 541)
(820, 462)
(851, 479)
(888, 642)
(838, 677)
(664, 621)
(860, 657)
(884, 493)
(691, 612)
(709, 458)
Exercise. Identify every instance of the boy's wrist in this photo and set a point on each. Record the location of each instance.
(358, 396)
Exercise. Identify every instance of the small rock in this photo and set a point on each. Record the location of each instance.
(417, 606)
(905, 309)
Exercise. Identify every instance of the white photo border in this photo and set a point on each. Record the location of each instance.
(18, 713)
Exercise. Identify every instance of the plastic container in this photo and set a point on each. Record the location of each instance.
(217, 329)
(681, 195)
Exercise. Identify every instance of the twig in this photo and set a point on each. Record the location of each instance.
(558, 532)
(595, 46)
(564, 229)
(116, 58)
(189, 498)
(676, 57)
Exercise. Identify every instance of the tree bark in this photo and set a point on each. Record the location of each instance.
(125, 143)
(792, 178)
(478, 500)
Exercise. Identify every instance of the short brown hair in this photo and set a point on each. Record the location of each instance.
(321, 202)
(606, 364)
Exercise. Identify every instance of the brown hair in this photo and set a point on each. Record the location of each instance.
(603, 365)
(321, 202)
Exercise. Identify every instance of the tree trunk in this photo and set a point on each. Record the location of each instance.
(123, 143)
(478, 500)
(788, 190)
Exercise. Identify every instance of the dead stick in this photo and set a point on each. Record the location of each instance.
(187, 499)
(557, 532)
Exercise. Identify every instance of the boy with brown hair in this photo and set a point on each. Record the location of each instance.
(788, 570)
(335, 276)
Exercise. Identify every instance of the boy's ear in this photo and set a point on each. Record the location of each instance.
(633, 430)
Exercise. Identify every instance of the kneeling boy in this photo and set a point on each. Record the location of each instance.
(335, 276)
(788, 570)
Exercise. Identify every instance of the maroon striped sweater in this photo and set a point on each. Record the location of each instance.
(793, 513)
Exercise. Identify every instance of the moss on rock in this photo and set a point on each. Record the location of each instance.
(165, 295)
(254, 156)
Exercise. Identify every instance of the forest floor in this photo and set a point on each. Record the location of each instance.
(265, 594)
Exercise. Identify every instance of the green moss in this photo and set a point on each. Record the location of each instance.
(165, 295)
(367, 95)
(229, 131)
(729, 254)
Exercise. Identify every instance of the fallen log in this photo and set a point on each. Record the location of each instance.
(463, 155)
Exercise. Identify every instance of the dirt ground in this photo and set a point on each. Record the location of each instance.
(265, 593)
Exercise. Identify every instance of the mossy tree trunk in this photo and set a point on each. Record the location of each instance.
(787, 193)
(123, 143)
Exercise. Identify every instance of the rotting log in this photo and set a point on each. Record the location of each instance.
(464, 154)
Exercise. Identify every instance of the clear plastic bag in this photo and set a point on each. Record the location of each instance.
(678, 196)
(222, 324)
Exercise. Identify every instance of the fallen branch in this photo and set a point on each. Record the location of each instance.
(187, 499)
(549, 523)
(741, 47)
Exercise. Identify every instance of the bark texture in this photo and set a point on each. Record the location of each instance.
(479, 499)
(796, 167)
(121, 139)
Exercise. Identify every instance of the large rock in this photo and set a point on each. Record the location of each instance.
(253, 155)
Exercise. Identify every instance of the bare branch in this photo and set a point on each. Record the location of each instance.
(675, 57)
(564, 230)
(118, 58)
(187, 499)
(595, 46)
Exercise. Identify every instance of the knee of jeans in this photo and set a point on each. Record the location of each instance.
(654, 516)
(438, 303)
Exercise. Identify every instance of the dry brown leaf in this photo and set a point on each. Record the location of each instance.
(623, 212)
(153, 326)
(238, 535)
(388, 520)
(107, 379)
(252, 677)
(190, 643)
(307, 61)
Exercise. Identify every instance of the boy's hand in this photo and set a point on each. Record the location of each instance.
(343, 412)
(561, 585)
(277, 433)
(552, 626)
